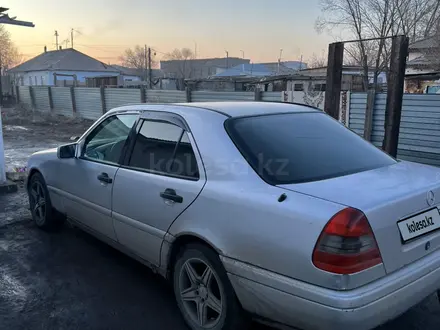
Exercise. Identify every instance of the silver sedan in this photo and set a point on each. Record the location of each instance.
(251, 210)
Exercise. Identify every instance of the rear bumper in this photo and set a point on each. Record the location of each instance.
(305, 306)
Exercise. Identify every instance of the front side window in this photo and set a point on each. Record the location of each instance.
(164, 148)
(302, 147)
(106, 142)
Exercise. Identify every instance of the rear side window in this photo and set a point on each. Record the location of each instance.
(302, 147)
(164, 148)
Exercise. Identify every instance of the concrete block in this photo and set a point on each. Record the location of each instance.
(8, 187)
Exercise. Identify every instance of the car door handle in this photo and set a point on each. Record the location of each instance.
(103, 177)
(171, 195)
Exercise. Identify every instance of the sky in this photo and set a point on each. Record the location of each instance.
(104, 29)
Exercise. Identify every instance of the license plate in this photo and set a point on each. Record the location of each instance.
(419, 224)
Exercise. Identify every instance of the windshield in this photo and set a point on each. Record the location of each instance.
(302, 147)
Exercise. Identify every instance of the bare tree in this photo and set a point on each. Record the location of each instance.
(183, 64)
(137, 58)
(318, 61)
(9, 54)
(365, 19)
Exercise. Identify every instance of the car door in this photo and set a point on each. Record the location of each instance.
(158, 181)
(87, 180)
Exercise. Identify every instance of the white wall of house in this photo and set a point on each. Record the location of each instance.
(131, 78)
(38, 78)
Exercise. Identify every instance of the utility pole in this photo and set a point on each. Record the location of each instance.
(227, 59)
(279, 60)
(242, 53)
(399, 52)
(145, 66)
(150, 78)
(71, 38)
(4, 185)
(56, 39)
(195, 49)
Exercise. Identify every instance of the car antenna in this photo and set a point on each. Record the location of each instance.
(282, 198)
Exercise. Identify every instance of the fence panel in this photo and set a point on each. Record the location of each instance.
(116, 97)
(165, 96)
(62, 101)
(25, 96)
(271, 96)
(358, 105)
(208, 96)
(88, 102)
(41, 94)
(419, 138)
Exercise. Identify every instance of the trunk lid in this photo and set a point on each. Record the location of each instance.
(387, 196)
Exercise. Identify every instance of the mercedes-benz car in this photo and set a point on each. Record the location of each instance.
(252, 210)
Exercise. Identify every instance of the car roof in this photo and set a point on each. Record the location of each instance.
(229, 109)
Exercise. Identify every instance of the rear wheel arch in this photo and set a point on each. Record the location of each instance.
(177, 247)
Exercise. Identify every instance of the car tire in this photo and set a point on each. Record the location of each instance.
(43, 214)
(199, 293)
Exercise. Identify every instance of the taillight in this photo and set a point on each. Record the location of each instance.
(347, 244)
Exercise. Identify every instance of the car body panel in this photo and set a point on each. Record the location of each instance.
(142, 218)
(386, 195)
(266, 244)
(298, 304)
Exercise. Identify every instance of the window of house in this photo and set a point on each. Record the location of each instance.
(106, 142)
(42, 80)
(30, 81)
(319, 87)
(298, 87)
(36, 81)
(164, 148)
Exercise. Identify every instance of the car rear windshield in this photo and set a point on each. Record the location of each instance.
(302, 147)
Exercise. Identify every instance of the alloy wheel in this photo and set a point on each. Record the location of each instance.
(201, 293)
(38, 202)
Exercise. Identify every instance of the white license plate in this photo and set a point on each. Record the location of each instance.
(419, 224)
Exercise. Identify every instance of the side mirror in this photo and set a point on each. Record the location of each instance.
(67, 151)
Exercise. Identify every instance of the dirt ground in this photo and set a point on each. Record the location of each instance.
(69, 280)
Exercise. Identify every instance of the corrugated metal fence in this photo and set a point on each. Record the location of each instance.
(116, 97)
(25, 96)
(88, 102)
(419, 138)
(164, 96)
(419, 132)
(210, 96)
(62, 101)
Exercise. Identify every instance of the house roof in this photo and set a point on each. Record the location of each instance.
(136, 72)
(63, 60)
(424, 60)
(281, 69)
(257, 70)
(253, 70)
(430, 42)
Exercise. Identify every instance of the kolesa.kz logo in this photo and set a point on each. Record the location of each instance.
(419, 225)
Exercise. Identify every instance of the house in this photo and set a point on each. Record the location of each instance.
(134, 74)
(245, 70)
(422, 74)
(262, 69)
(60, 67)
(199, 68)
(423, 83)
(424, 56)
(352, 76)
